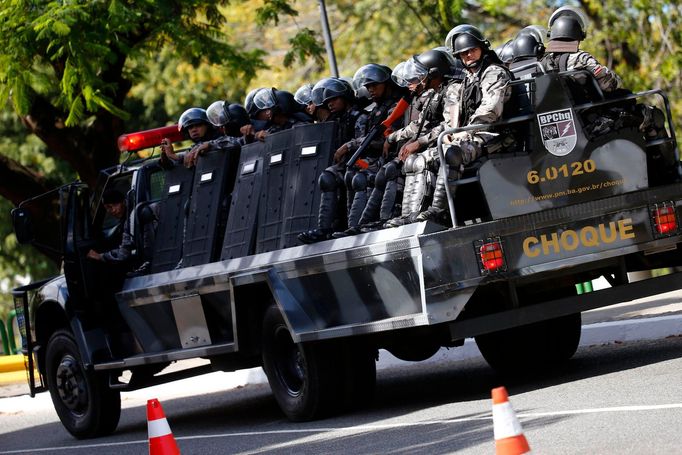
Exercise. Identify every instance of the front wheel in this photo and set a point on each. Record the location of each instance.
(83, 400)
(305, 378)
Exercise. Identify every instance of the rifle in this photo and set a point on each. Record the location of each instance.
(398, 112)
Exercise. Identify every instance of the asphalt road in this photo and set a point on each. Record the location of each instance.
(613, 397)
(609, 399)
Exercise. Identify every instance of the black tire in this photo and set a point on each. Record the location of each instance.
(85, 404)
(533, 346)
(304, 378)
(360, 374)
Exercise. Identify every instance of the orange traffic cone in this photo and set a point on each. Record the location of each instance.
(509, 438)
(161, 440)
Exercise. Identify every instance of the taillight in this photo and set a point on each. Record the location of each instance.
(491, 256)
(133, 142)
(664, 219)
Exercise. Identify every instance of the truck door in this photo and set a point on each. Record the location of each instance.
(78, 239)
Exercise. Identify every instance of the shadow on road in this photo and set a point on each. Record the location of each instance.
(403, 418)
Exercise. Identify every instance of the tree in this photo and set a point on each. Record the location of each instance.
(67, 68)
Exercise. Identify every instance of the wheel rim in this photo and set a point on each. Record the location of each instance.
(71, 385)
(289, 362)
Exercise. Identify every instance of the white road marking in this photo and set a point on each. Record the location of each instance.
(363, 428)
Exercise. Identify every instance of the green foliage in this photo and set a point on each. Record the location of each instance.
(304, 45)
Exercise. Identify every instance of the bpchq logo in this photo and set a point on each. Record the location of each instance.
(569, 239)
(558, 131)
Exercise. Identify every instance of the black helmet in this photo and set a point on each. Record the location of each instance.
(192, 116)
(285, 102)
(331, 87)
(537, 31)
(278, 100)
(248, 101)
(371, 73)
(303, 95)
(567, 24)
(466, 41)
(436, 61)
(464, 28)
(526, 45)
(456, 66)
(566, 28)
(505, 52)
(220, 113)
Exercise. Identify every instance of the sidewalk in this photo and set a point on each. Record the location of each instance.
(648, 318)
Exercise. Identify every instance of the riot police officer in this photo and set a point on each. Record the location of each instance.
(337, 96)
(427, 74)
(195, 125)
(479, 99)
(279, 109)
(385, 94)
(527, 48)
(567, 27)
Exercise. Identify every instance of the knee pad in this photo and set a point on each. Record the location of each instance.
(391, 171)
(453, 156)
(359, 182)
(348, 177)
(328, 182)
(380, 179)
(415, 163)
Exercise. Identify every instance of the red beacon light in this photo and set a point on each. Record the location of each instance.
(132, 142)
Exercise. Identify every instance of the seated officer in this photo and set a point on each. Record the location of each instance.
(195, 126)
(567, 27)
(479, 99)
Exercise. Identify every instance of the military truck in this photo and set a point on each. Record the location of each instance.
(587, 189)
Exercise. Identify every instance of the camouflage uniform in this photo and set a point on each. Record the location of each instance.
(608, 80)
(424, 130)
(359, 180)
(479, 99)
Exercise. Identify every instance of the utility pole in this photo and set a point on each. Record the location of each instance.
(328, 43)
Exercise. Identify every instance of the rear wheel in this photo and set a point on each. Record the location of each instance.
(532, 346)
(83, 400)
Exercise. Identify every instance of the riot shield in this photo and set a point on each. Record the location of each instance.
(209, 205)
(169, 234)
(240, 231)
(313, 148)
(277, 156)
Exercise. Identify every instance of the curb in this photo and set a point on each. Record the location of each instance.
(10, 363)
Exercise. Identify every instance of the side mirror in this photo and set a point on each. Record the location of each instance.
(23, 228)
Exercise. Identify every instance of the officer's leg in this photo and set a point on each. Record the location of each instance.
(455, 156)
(410, 168)
(350, 194)
(391, 175)
(329, 183)
(359, 185)
(371, 211)
(419, 184)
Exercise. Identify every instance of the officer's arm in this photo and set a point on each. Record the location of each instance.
(495, 91)
(607, 79)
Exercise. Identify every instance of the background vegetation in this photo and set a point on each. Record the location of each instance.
(74, 75)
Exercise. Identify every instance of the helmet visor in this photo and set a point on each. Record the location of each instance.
(369, 74)
(304, 94)
(414, 72)
(264, 99)
(216, 113)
